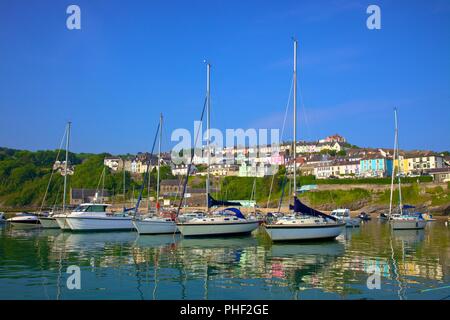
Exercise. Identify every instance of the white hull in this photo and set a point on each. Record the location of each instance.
(49, 223)
(217, 229)
(24, 221)
(99, 223)
(25, 225)
(155, 227)
(292, 233)
(408, 224)
(62, 223)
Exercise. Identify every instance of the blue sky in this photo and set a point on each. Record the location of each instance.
(132, 60)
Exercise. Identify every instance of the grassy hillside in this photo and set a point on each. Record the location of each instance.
(24, 176)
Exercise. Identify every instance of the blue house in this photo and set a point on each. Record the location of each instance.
(375, 167)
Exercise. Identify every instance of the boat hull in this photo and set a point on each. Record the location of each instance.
(25, 224)
(300, 232)
(99, 223)
(62, 223)
(155, 227)
(49, 223)
(408, 224)
(216, 229)
(24, 221)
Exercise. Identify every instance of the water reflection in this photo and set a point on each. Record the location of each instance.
(124, 265)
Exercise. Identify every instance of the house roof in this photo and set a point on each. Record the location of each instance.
(439, 170)
(169, 182)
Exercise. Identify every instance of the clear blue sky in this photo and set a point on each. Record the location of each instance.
(134, 59)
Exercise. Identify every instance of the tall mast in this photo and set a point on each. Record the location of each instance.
(124, 187)
(159, 162)
(295, 116)
(398, 162)
(208, 106)
(65, 165)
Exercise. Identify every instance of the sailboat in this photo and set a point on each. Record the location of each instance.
(405, 218)
(229, 221)
(304, 223)
(156, 224)
(50, 221)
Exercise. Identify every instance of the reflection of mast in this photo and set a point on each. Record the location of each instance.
(66, 164)
(400, 290)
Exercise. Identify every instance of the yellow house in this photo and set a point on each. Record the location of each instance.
(405, 165)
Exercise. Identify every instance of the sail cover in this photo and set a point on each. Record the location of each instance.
(300, 207)
(213, 202)
(236, 212)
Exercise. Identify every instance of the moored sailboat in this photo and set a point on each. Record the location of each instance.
(50, 222)
(156, 223)
(304, 223)
(230, 221)
(404, 219)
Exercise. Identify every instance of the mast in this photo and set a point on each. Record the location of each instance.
(65, 165)
(124, 188)
(398, 162)
(208, 123)
(159, 162)
(295, 116)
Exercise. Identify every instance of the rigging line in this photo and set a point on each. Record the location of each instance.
(146, 172)
(192, 157)
(53, 170)
(282, 133)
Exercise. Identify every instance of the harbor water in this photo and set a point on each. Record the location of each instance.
(370, 262)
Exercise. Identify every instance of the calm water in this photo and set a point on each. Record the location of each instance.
(413, 264)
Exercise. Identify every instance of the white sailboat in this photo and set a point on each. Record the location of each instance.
(405, 218)
(156, 224)
(50, 221)
(305, 223)
(227, 222)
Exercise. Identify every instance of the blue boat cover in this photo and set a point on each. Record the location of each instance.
(213, 202)
(237, 212)
(299, 207)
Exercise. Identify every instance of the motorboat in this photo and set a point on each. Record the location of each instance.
(344, 215)
(364, 216)
(383, 217)
(24, 220)
(229, 221)
(93, 217)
